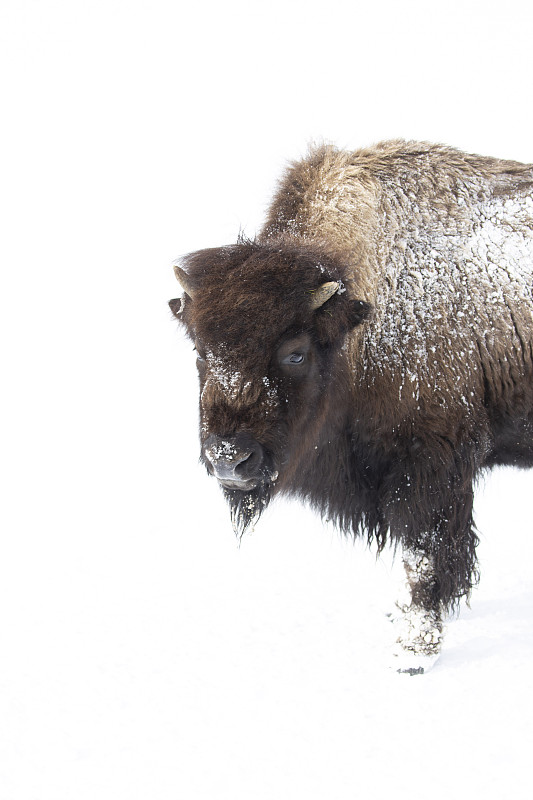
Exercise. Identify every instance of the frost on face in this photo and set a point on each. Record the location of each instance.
(223, 375)
(271, 393)
(225, 382)
(223, 450)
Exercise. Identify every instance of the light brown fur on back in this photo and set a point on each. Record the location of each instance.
(441, 243)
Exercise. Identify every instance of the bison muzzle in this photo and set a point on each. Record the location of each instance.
(238, 462)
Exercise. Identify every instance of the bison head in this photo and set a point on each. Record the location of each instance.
(268, 322)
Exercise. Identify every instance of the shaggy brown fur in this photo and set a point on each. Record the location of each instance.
(391, 414)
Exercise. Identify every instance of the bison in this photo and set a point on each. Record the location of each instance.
(371, 353)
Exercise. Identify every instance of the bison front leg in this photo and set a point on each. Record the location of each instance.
(419, 626)
(440, 568)
(433, 521)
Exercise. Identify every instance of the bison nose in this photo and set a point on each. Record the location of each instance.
(235, 461)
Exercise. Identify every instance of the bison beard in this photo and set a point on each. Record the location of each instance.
(247, 507)
(376, 340)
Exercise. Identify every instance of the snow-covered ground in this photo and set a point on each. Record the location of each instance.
(143, 653)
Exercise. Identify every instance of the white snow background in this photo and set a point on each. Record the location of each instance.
(143, 654)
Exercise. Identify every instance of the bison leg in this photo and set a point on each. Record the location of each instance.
(420, 623)
(440, 562)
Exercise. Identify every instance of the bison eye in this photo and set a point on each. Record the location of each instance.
(294, 358)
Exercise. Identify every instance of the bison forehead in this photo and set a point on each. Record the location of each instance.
(257, 297)
(250, 322)
(226, 377)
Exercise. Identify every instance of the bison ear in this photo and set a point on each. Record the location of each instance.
(175, 306)
(332, 324)
(358, 312)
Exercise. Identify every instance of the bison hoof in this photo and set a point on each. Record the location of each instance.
(419, 639)
(408, 663)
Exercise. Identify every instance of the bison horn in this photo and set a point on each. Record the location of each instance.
(183, 280)
(323, 293)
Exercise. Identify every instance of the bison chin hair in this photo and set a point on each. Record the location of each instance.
(247, 507)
